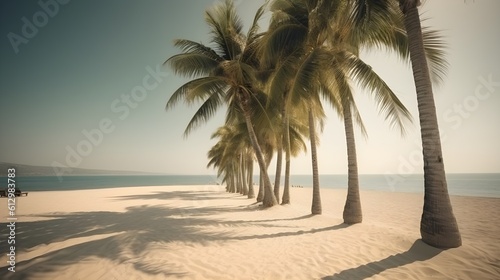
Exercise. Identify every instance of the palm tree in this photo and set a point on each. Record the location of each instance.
(268, 155)
(295, 129)
(438, 225)
(224, 73)
(424, 48)
(316, 199)
(249, 175)
(223, 156)
(286, 48)
(232, 155)
(282, 130)
(318, 55)
(346, 37)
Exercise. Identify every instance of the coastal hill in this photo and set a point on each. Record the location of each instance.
(33, 170)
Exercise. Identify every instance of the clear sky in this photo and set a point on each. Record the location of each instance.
(82, 85)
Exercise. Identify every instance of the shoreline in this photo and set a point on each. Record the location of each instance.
(202, 232)
(256, 189)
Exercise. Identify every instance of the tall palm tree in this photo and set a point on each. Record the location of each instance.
(316, 197)
(346, 37)
(295, 129)
(318, 52)
(268, 150)
(223, 73)
(438, 225)
(283, 131)
(424, 48)
(290, 52)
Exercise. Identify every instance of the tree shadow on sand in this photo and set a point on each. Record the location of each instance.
(168, 195)
(119, 237)
(126, 237)
(419, 251)
(291, 233)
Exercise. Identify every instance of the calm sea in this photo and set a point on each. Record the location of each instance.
(486, 185)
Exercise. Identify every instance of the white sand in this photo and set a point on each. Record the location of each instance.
(201, 232)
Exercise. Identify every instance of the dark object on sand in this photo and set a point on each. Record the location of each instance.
(17, 192)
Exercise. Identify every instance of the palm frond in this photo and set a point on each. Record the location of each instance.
(333, 84)
(282, 41)
(357, 118)
(197, 90)
(280, 80)
(364, 11)
(388, 102)
(252, 33)
(297, 143)
(206, 111)
(304, 82)
(226, 29)
(188, 46)
(192, 64)
(435, 50)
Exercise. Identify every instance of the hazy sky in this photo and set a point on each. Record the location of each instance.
(82, 85)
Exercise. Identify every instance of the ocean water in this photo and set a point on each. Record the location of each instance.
(485, 185)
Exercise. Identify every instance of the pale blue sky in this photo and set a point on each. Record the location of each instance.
(71, 74)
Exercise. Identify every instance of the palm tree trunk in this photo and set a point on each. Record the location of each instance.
(352, 209)
(251, 191)
(233, 180)
(279, 159)
(269, 199)
(316, 199)
(243, 175)
(238, 177)
(278, 174)
(260, 195)
(438, 225)
(286, 140)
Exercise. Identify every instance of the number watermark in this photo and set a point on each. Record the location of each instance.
(11, 219)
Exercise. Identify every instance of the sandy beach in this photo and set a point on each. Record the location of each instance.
(201, 232)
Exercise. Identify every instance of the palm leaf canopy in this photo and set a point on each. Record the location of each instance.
(308, 39)
(384, 23)
(220, 70)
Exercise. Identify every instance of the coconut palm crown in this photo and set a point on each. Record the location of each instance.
(223, 72)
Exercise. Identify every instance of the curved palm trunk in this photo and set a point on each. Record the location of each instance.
(316, 199)
(269, 198)
(352, 209)
(438, 225)
(286, 140)
(251, 191)
(268, 158)
(262, 193)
